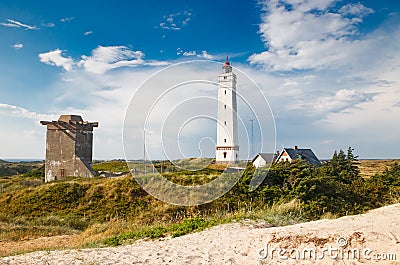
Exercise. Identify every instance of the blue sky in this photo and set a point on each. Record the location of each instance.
(329, 69)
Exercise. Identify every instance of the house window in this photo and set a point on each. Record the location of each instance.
(224, 77)
(225, 154)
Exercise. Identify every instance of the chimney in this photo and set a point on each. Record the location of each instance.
(295, 147)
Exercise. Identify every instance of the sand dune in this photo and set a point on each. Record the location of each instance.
(372, 238)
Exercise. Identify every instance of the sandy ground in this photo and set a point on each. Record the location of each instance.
(372, 238)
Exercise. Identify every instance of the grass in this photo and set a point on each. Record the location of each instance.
(276, 215)
(368, 168)
(15, 231)
(17, 168)
(109, 212)
(19, 182)
(113, 211)
(174, 230)
(111, 166)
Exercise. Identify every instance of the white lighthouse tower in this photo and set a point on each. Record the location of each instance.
(227, 150)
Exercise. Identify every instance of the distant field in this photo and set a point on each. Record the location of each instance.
(17, 168)
(369, 168)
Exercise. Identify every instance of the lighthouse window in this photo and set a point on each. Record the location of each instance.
(224, 77)
(224, 154)
(225, 122)
(225, 92)
(225, 106)
(224, 140)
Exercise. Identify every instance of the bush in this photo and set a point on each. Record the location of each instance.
(154, 232)
(190, 225)
(38, 173)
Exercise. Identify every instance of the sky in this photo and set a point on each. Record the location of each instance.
(328, 69)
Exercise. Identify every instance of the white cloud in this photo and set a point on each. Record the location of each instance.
(190, 53)
(104, 59)
(105, 98)
(298, 38)
(25, 136)
(349, 107)
(49, 25)
(179, 51)
(370, 127)
(16, 24)
(19, 112)
(356, 9)
(67, 19)
(343, 99)
(346, 94)
(56, 58)
(156, 63)
(354, 102)
(23, 143)
(18, 46)
(305, 6)
(311, 110)
(88, 33)
(176, 21)
(206, 55)
(171, 26)
(188, 17)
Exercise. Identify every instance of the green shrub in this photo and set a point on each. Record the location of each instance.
(38, 173)
(190, 225)
(154, 232)
(112, 166)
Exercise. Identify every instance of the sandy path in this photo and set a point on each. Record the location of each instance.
(368, 237)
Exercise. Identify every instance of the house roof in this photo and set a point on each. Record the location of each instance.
(303, 154)
(268, 157)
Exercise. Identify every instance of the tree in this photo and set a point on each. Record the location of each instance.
(344, 166)
(338, 162)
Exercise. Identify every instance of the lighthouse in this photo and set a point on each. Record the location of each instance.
(227, 149)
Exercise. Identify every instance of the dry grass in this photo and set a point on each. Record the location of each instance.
(369, 168)
(19, 236)
(94, 235)
(41, 243)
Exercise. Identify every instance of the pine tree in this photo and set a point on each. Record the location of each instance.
(345, 166)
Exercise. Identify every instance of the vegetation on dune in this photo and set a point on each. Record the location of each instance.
(112, 211)
(175, 230)
(111, 166)
(37, 173)
(11, 169)
(371, 167)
